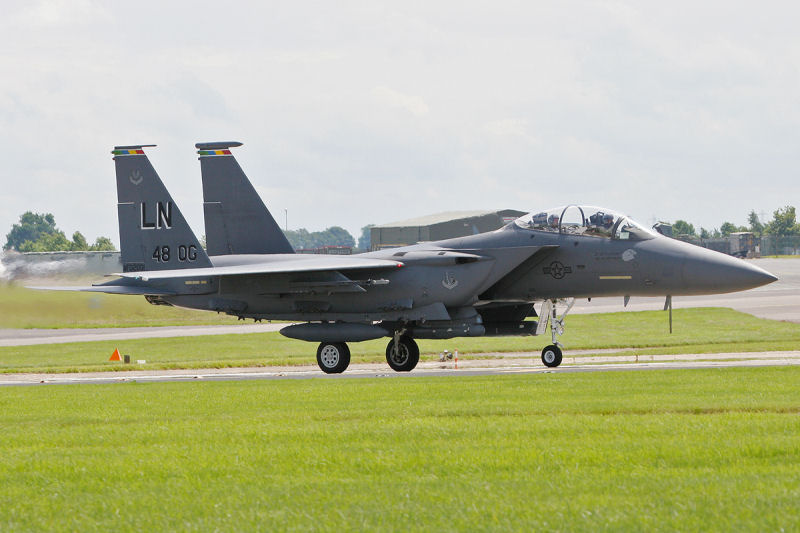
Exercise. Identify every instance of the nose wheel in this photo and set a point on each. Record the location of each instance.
(551, 356)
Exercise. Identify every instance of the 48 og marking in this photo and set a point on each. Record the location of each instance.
(183, 253)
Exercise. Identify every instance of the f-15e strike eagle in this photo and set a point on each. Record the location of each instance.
(480, 285)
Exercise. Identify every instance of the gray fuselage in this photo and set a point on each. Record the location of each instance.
(512, 264)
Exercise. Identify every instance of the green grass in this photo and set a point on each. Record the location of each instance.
(26, 308)
(654, 451)
(696, 331)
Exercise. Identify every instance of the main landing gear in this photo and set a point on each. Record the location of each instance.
(402, 354)
(333, 357)
(551, 354)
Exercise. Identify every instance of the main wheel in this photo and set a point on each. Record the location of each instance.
(551, 356)
(405, 357)
(333, 357)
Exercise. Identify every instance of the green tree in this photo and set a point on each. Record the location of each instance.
(681, 227)
(784, 222)
(31, 227)
(49, 242)
(727, 228)
(338, 236)
(333, 236)
(365, 241)
(102, 244)
(79, 243)
(37, 232)
(755, 224)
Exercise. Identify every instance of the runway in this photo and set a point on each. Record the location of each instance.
(523, 363)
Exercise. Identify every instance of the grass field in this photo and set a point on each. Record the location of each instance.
(696, 331)
(26, 308)
(691, 450)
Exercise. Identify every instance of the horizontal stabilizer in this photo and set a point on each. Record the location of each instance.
(110, 289)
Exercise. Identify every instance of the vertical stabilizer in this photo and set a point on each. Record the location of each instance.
(152, 231)
(237, 221)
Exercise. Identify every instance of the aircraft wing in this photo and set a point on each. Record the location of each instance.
(308, 264)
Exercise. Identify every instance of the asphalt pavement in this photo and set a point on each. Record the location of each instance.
(525, 364)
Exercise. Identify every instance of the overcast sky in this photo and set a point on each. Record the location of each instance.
(368, 112)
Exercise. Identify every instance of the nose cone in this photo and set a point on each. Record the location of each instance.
(708, 272)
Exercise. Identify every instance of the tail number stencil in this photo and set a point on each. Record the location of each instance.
(163, 216)
(163, 254)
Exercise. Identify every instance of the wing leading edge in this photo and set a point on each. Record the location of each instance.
(312, 264)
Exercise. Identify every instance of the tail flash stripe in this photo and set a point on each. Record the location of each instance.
(214, 152)
(127, 152)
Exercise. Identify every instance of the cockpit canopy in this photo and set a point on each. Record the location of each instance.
(585, 220)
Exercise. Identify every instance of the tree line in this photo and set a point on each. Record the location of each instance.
(37, 232)
(783, 223)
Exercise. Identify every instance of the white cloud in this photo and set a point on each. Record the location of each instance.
(354, 113)
(413, 104)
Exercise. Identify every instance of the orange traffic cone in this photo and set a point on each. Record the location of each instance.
(115, 356)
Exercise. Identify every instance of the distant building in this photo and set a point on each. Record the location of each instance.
(439, 226)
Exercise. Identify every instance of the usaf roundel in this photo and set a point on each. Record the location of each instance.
(557, 270)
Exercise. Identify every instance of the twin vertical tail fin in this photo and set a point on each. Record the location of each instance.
(152, 231)
(237, 221)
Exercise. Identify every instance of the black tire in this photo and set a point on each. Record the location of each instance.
(406, 358)
(551, 356)
(333, 357)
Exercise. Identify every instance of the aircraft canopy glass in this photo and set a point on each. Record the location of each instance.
(585, 220)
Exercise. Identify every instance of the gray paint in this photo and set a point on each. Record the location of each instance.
(150, 219)
(236, 219)
(467, 286)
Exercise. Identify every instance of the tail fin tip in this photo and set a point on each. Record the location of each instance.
(131, 149)
(217, 145)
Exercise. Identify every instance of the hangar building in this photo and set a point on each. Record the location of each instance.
(439, 226)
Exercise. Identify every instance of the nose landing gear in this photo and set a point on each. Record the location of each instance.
(551, 354)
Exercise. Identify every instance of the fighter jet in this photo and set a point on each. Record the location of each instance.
(480, 285)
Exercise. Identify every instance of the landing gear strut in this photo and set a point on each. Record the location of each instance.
(551, 355)
(402, 353)
(333, 357)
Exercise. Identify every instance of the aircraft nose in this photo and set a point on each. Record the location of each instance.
(718, 272)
